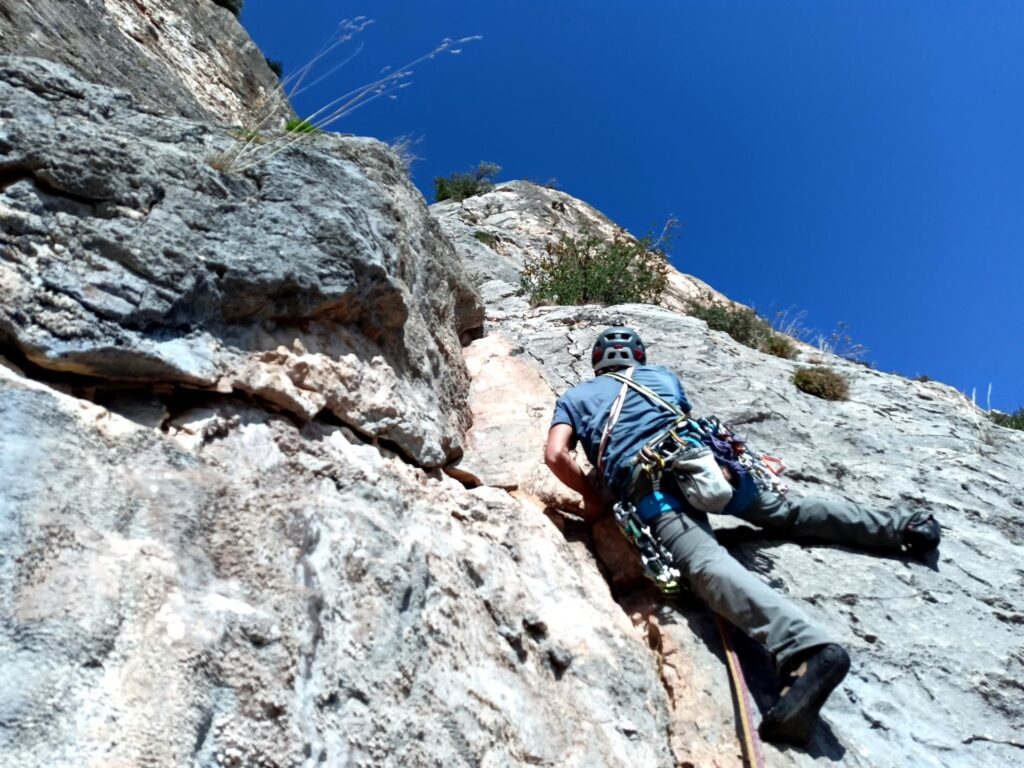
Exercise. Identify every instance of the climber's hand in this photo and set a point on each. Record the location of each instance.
(595, 504)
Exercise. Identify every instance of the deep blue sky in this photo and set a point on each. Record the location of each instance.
(860, 160)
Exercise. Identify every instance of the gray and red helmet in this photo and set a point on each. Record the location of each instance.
(617, 347)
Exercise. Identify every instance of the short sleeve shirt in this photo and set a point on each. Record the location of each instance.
(586, 408)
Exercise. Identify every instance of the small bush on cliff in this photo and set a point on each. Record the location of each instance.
(592, 270)
(295, 125)
(744, 324)
(235, 6)
(275, 66)
(821, 382)
(780, 346)
(459, 186)
(1013, 420)
(487, 238)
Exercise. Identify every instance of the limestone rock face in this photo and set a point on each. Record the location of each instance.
(226, 539)
(307, 279)
(938, 663)
(182, 57)
(237, 590)
(225, 399)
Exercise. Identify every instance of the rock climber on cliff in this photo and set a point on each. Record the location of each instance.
(634, 441)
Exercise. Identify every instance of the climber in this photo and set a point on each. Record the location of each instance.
(615, 421)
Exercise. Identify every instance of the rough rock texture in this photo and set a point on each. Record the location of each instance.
(196, 570)
(938, 659)
(315, 281)
(184, 57)
(240, 591)
(225, 539)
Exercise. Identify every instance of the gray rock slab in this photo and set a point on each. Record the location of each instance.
(238, 590)
(938, 662)
(316, 280)
(180, 57)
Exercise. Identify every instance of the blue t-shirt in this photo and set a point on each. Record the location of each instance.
(586, 407)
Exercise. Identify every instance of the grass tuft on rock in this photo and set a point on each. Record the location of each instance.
(235, 6)
(743, 324)
(487, 238)
(1013, 420)
(297, 125)
(275, 66)
(821, 382)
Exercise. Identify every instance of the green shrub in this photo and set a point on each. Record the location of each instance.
(592, 270)
(459, 186)
(297, 125)
(235, 6)
(488, 239)
(744, 324)
(275, 66)
(780, 346)
(1013, 420)
(821, 382)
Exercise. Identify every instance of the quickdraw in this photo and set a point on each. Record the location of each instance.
(655, 558)
(659, 452)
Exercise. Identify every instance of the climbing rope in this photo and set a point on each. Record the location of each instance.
(753, 755)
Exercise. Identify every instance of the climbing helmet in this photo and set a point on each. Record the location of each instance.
(617, 347)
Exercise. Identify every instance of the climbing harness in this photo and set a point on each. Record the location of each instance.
(730, 451)
(655, 558)
(753, 754)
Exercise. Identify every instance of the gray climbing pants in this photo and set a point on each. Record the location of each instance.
(739, 596)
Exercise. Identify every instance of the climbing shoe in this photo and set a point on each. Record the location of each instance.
(921, 535)
(794, 717)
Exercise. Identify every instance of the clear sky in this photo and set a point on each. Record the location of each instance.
(859, 160)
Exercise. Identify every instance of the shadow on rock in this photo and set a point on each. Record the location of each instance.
(823, 745)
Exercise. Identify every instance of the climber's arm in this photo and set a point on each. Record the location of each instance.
(562, 464)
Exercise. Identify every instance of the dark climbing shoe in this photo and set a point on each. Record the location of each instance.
(921, 535)
(793, 719)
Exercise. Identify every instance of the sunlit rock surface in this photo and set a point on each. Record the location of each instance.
(178, 57)
(226, 399)
(938, 660)
(315, 281)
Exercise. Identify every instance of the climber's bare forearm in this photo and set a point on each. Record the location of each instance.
(563, 466)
